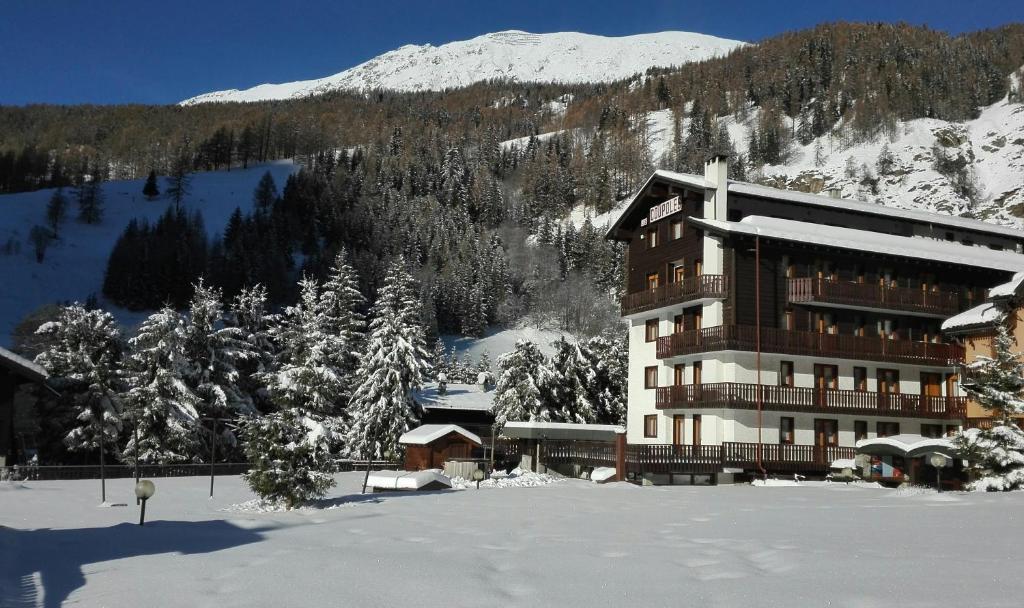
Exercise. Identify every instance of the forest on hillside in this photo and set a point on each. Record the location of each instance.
(427, 175)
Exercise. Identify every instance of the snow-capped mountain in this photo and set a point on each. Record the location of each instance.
(567, 57)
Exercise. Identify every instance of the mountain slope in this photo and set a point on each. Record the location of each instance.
(567, 57)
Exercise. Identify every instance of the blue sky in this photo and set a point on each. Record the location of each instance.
(120, 51)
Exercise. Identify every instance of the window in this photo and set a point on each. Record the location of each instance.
(860, 379)
(652, 238)
(678, 374)
(952, 429)
(786, 426)
(888, 381)
(786, 373)
(698, 267)
(931, 430)
(651, 377)
(676, 229)
(698, 370)
(678, 273)
(651, 426)
(651, 330)
(696, 429)
(826, 376)
(652, 280)
(788, 320)
(860, 430)
(887, 429)
(678, 323)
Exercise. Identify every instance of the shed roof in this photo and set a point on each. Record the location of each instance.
(429, 433)
(22, 366)
(562, 430)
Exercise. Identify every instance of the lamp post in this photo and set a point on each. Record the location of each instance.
(213, 445)
(144, 490)
(938, 461)
(478, 476)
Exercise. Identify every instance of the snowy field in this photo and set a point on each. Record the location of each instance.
(570, 543)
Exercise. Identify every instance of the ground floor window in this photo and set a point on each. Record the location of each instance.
(888, 429)
(860, 430)
(651, 426)
(931, 430)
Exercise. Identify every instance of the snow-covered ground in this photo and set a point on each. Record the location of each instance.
(572, 543)
(75, 264)
(569, 57)
(500, 341)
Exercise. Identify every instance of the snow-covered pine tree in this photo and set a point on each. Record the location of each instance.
(609, 358)
(394, 364)
(524, 380)
(340, 304)
(213, 351)
(439, 361)
(290, 455)
(83, 354)
(572, 376)
(996, 455)
(483, 364)
(157, 401)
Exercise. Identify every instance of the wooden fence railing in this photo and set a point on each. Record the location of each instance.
(583, 453)
(668, 458)
(709, 459)
(736, 395)
(872, 295)
(808, 343)
(690, 288)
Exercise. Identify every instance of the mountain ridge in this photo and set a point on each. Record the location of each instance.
(563, 57)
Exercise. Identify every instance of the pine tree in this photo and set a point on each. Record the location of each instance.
(157, 401)
(290, 455)
(524, 381)
(439, 361)
(572, 375)
(56, 211)
(150, 190)
(885, 161)
(265, 194)
(340, 305)
(83, 354)
(179, 182)
(394, 364)
(996, 455)
(609, 360)
(90, 197)
(819, 153)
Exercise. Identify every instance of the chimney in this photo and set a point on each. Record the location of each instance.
(716, 174)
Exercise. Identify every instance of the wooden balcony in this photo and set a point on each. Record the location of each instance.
(691, 288)
(709, 459)
(873, 296)
(807, 343)
(734, 395)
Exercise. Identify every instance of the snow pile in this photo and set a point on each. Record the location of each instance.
(568, 57)
(602, 474)
(517, 478)
(406, 480)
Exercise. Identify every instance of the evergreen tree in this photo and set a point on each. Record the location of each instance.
(524, 381)
(179, 182)
(150, 190)
(395, 361)
(996, 455)
(83, 354)
(90, 197)
(266, 193)
(157, 401)
(885, 161)
(439, 361)
(56, 211)
(340, 304)
(290, 455)
(609, 359)
(40, 238)
(572, 375)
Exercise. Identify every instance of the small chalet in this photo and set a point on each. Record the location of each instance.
(17, 375)
(431, 445)
(467, 405)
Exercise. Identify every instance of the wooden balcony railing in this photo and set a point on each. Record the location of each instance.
(867, 295)
(691, 288)
(807, 343)
(706, 459)
(734, 395)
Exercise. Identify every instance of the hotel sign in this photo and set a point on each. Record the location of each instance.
(662, 210)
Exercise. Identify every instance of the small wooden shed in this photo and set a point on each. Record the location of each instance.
(15, 373)
(430, 445)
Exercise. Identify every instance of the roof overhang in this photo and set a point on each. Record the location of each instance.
(686, 180)
(429, 433)
(21, 366)
(911, 446)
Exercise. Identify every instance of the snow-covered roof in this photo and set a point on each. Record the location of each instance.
(905, 444)
(427, 433)
(1007, 289)
(866, 240)
(982, 315)
(20, 365)
(872, 208)
(464, 397)
(683, 179)
(561, 430)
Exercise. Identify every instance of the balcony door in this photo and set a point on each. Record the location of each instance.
(888, 386)
(826, 435)
(652, 280)
(678, 429)
(696, 429)
(931, 391)
(826, 378)
(678, 272)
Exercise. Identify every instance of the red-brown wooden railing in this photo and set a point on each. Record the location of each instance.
(583, 453)
(669, 458)
(869, 295)
(736, 395)
(690, 288)
(808, 343)
(707, 459)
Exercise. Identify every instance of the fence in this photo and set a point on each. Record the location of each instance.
(125, 471)
(582, 453)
